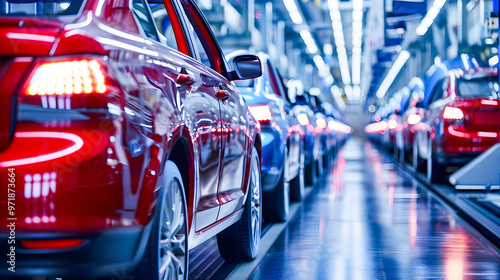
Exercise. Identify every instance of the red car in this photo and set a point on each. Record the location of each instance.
(463, 119)
(123, 142)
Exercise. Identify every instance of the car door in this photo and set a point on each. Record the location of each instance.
(234, 122)
(194, 95)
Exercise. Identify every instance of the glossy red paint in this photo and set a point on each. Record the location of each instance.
(93, 162)
(470, 125)
(51, 244)
(12, 72)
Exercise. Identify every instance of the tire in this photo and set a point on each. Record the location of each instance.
(435, 171)
(241, 240)
(167, 255)
(297, 185)
(277, 201)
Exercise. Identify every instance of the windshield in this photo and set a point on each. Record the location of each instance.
(41, 8)
(478, 87)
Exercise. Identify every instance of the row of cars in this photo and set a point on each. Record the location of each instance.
(443, 120)
(127, 138)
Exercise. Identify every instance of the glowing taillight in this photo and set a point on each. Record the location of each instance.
(52, 244)
(392, 124)
(303, 119)
(321, 123)
(452, 113)
(413, 119)
(80, 76)
(261, 112)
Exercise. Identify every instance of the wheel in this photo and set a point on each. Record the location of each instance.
(277, 201)
(297, 184)
(241, 240)
(166, 255)
(435, 170)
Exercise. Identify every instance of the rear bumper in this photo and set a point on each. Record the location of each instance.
(110, 253)
(457, 141)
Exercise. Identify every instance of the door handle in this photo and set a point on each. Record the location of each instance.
(184, 79)
(222, 94)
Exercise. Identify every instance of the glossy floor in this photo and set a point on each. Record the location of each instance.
(370, 220)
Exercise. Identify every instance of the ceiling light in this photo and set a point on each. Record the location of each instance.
(293, 11)
(393, 73)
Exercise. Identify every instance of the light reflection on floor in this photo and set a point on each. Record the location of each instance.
(371, 221)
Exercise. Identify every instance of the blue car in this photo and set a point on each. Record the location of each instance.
(283, 158)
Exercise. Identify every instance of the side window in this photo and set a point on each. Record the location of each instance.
(163, 25)
(208, 50)
(272, 79)
(141, 11)
(438, 92)
(200, 49)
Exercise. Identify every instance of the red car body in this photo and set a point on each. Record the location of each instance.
(459, 136)
(88, 154)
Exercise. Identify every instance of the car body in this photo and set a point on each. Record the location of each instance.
(463, 119)
(282, 140)
(410, 119)
(308, 120)
(109, 109)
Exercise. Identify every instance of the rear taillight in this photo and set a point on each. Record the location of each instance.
(262, 113)
(81, 76)
(52, 244)
(452, 113)
(413, 119)
(303, 119)
(321, 123)
(68, 83)
(392, 124)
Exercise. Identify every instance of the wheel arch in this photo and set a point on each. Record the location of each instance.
(181, 153)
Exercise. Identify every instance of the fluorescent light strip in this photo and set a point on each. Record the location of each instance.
(357, 36)
(429, 18)
(293, 10)
(338, 32)
(393, 73)
(312, 48)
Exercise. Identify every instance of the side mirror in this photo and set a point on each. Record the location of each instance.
(245, 66)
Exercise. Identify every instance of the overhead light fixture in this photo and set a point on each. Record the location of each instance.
(357, 37)
(309, 41)
(429, 18)
(318, 60)
(493, 61)
(393, 73)
(292, 9)
(338, 32)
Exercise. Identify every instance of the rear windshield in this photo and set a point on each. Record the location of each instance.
(40, 8)
(478, 87)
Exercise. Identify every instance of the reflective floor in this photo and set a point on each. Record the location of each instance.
(370, 220)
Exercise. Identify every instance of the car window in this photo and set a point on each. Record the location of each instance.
(208, 51)
(275, 84)
(438, 92)
(41, 8)
(163, 24)
(141, 11)
(200, 49)
(478, 87)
